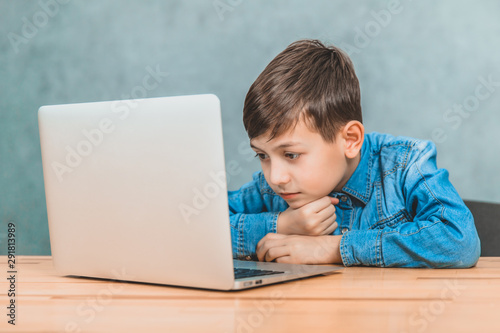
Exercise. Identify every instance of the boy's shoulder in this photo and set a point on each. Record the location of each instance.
(383, 140)
(380, 142)
(393, 152)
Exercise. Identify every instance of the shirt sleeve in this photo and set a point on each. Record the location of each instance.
(249, 218)
(442, 231)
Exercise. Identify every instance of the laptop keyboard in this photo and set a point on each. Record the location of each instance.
(240, 273)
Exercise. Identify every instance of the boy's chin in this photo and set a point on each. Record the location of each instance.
(300, 202)
(294, 205)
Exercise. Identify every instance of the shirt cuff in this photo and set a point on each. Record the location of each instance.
(252, 229)
(361, 247)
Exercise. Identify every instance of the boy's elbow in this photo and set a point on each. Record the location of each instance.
(460, 248)
(471, 251)
(466, 250)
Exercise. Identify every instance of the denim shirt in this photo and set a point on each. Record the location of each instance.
(397, 210)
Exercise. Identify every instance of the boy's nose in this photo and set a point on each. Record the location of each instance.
(278, 174)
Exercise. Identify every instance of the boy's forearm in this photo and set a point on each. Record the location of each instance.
(428, 244)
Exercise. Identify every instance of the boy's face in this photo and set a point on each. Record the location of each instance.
(301, 166)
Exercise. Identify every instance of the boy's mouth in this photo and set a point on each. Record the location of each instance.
(288, 195)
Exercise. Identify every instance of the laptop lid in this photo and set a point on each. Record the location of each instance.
(136, 190)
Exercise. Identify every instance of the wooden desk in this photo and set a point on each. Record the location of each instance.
(358, 299)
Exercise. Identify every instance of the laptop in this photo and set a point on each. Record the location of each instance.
(136, 191)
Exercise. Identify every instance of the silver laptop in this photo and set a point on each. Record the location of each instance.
(136, 191)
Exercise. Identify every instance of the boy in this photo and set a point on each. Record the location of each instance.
(328, 192)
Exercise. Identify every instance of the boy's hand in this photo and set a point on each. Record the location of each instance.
(315, 218)
(295, 249)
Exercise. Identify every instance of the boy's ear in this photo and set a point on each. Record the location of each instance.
(353, 134)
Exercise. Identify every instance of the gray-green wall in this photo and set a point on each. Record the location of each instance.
(421, 65)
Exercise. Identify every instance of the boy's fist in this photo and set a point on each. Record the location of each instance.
(314, 219)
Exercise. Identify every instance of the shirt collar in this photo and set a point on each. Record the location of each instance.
(360, 183)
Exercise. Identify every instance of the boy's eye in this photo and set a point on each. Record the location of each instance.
(292, 156)
(261, 156)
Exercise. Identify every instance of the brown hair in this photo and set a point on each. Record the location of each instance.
(307, 79)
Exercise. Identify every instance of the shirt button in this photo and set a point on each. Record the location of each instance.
(248, 258)
(343, 199)
(344, 230)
